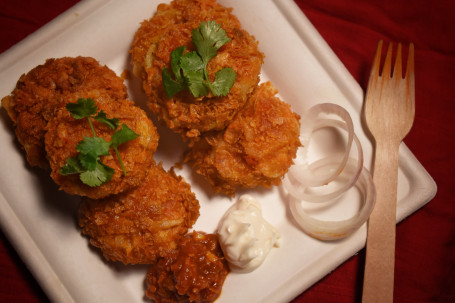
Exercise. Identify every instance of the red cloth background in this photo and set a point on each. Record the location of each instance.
(425, 250)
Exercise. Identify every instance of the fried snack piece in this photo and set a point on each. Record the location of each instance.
(193, 273)
(48, 87)
(138, 226)
(256, 149)
(64, 132)
(171, 28)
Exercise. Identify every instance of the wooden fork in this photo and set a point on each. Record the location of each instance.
(389, 114)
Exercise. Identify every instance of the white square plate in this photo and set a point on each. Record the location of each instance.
(41, 221)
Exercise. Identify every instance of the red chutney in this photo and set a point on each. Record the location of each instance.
(193, 273)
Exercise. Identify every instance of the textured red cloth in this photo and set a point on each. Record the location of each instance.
(425, 250)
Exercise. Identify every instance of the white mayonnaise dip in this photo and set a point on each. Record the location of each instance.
(245, 236)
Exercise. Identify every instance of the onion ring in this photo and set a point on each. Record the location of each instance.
(294, 176)
(309, 125)
(304, 176)
(334, 230)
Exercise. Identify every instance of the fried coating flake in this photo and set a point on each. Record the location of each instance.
(41, 92)
(193, 273)
(138, 226)
(171, 28)
(256, 149)
(64, 132)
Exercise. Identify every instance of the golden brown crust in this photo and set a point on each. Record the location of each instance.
(64, 132)
(143, 224)
(256, 149)
(178, 12)
(170, 28)
(41, 92)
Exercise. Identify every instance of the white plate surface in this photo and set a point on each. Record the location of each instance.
(40, 220)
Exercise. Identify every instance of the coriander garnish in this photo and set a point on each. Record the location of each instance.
(88, 163)
(190, 69)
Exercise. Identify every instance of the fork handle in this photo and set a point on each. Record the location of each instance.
(380, 248)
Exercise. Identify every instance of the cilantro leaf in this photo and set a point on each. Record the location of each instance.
(94, 146)
(190, 68)
(191, 62)
(224, 80)
(83, 108)
(208, 38)
(71, 167)
(123, 135)
(176, 55)
(90, 149)
(88, 162)
(101, 174)
(101, 117)
(171, 86)
(197, 85)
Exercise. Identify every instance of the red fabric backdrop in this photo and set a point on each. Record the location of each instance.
(425, 251)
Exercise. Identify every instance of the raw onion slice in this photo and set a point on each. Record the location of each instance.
(310, 123)
(305, 176)
(334, 230)
(296, 184)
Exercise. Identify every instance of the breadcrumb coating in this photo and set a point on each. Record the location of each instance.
(64, 132)
(138, 226)
(171, 28)
(45, 89)
(256, 149)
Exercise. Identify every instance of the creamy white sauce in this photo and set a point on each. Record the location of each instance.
(246, 238)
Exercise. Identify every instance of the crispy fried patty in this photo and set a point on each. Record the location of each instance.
(170, 28)
(256, 149)
(64, 132)
(41, 92)
(143, 224)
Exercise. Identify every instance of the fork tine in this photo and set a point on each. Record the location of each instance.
(410, 78)
(397, 72)
(375, 69)
(387, 70)
(410, 64)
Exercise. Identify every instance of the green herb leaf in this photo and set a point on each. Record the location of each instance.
(71, 167)
(96, 177)
(83, 108)
(191, 62)
(101, 117)
(94, 146)
(88, 163)
(123, 135)
(171, 87)
(208, 38)
(190, 69)
(196, 83)
(224, 80)
(90, 149)
(176, 55)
